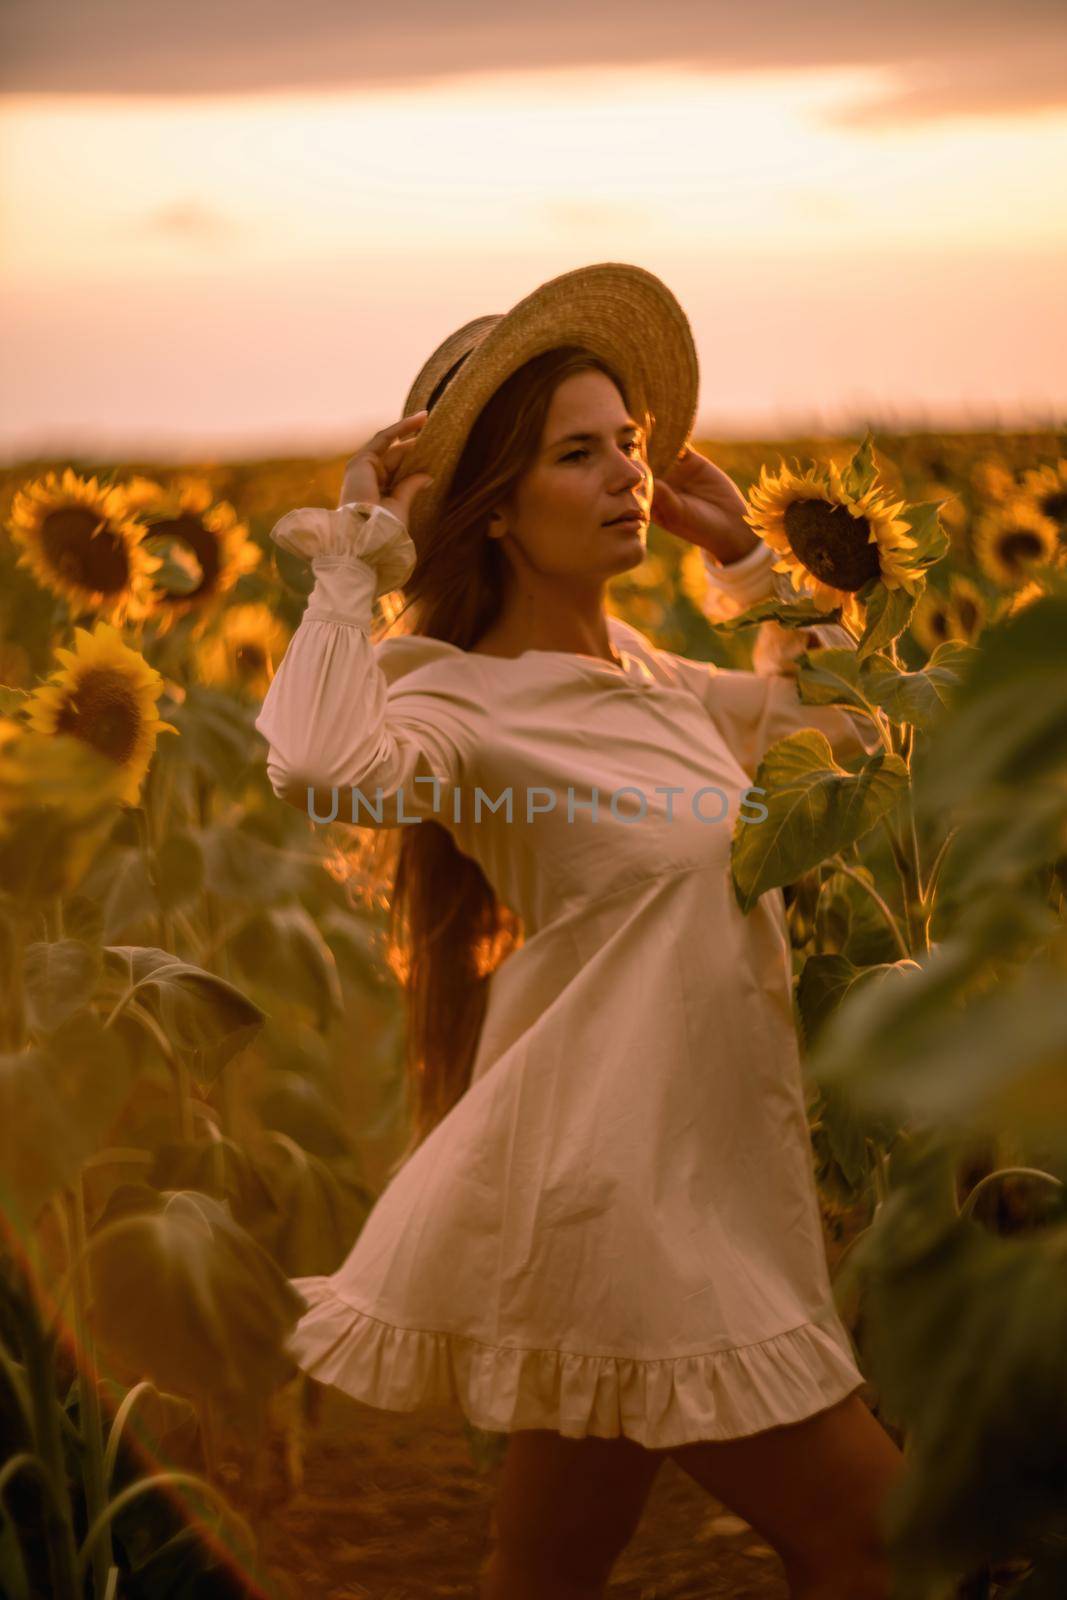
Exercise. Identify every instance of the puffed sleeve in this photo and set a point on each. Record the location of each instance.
(369, 754)
(753, 709)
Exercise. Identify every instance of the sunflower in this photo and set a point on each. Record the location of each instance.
(80, 540)
(1012, 540)
(1022, 598)
(993, 480)
(832, 542)
(241, 652)
(932, 620)
(106, 695)
(959, 615)
(57, 807)
(968, 608)
(1045, 488)
(951, 509)
(206, 540)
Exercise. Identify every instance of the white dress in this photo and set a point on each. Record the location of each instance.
(616, 1229)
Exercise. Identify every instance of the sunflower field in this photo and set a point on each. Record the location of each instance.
(201, 1068)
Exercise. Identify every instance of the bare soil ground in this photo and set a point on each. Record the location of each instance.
(393, 1508)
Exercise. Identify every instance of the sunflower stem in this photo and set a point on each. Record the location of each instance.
(215, 957)
(89, 1414)
(935, 868)
(56, 930)
(151, 823)
(916, 906)
(203, 817)
(182, 1091)
(905, 872)
(923, 907)
(38, 1351)
(14, 1033)
(880, 1176)
(894, 926)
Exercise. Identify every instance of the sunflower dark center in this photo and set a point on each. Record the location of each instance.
(250, 658)
(190, 531)
(82, 547)
(832, 544)
(103, 711)
(967, 612)
(939, 623)
(1019, 548)
(1054, 505)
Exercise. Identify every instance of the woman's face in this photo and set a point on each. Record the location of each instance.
(559, 510)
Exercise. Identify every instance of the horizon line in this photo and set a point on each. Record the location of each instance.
(175, 449)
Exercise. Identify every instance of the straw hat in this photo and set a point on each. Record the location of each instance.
(622, 313)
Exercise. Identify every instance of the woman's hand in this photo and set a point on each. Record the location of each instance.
(699, 502)
(371, 473)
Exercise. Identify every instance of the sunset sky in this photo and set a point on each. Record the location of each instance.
(247, 230)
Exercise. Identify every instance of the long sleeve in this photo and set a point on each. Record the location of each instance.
(328, 717)
(754, 709)
(736, 585)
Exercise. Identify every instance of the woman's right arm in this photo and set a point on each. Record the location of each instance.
(327, 716)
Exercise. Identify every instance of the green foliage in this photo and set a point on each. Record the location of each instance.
(889, 612)
(966, 1335)
(790, 613)
(1010, 726)
(861, 470)
(844, 677)
(188, 1299)
(964, 1332)
(815, 808)
(951, 1052)
(57, 1100)
(205, 1020)
(59, 980)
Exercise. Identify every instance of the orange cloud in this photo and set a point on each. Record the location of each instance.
(952, 57)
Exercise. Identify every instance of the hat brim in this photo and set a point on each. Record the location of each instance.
(620, 312)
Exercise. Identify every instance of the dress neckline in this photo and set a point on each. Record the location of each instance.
(569, 655)
(630, 666)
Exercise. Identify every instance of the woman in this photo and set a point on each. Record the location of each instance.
(605, 1239)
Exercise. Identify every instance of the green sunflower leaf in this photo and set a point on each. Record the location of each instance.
(826, 981)
(57, 1101)
(835, 677)
(862, 470)
(206, 1020)
(931, 540)
(888, 614)
(59, 980)
(12, 699)
(791, 613)
(1009, 725)
(841, 677)
(955, 1049)
(918, 697)
(815, 808)
(181, 573)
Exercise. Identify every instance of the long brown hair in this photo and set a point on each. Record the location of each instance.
(448, 932)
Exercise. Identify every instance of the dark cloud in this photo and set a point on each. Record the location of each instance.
(942, 57)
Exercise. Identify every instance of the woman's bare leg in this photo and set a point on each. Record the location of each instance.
(816, 1490)
(565, 1510)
